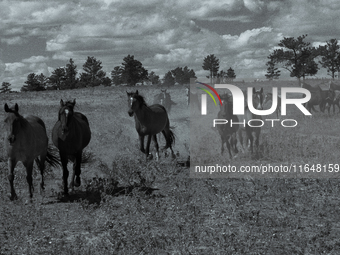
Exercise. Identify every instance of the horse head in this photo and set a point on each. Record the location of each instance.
(66, 112)
(268, 97)
(227, 104)
(134, 101)
(258, 99)
(13, 122)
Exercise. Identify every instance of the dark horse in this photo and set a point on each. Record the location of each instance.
(26, 140)
(71, 134)
(150, 120)
(252, 131)
(227, 131)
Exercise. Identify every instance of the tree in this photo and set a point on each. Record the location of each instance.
(183, 75)
(133, 71)
(116, 75)
(5, 87)
(93, 75)
(297, 56)
(212, 64)
(58, 77)
(34, 83)
(168, 79)
(330, 57)
(70, 75)
(231, 74)
(153, 78)
(272, 71)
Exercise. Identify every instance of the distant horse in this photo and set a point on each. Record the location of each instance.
(71, 134)
(193, 97)
(26, 140)
(328, 97)
(227, 131)
(149, 121)
(317, 97)
(268, 98)
(252, 133)
(335, 102)
(164, 99)
(333, 86)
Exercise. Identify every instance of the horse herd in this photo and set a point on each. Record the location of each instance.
(233, 136)
(26, 140)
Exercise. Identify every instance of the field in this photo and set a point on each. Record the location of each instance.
(129, 206)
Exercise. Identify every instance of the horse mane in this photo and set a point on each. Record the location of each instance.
(140, 98)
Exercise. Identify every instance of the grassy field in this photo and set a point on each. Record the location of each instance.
(128, 206)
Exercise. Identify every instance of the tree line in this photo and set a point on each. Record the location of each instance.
(296, 55)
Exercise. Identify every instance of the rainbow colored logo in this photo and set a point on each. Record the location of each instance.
(208, 92)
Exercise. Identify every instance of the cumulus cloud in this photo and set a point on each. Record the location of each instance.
(162, 35)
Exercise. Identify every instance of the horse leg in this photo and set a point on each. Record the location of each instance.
(141, 143)
(29, 169)
(229, 150)
(77, 169)
(168, 138)
(11, 165)
(148, 142)
(251, 140)
(222, 145)
(42, 169)
(64, 161)
(154, 138)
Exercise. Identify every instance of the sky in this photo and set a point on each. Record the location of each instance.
(40, 36)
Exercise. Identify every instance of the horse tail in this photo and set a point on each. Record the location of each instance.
(52, 157)
(172, 137)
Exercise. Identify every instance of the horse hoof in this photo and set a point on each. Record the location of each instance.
(149, 157)
(13, 197)
(77, 183)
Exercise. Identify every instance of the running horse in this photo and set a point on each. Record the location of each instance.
(149, 121)
(227, 131)
(26, 140)
(71, 134)
(252, 131)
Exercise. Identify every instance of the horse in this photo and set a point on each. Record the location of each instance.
(333, 86)
(26, 141)
(328, 97)
(335, 102)
(252, 132)
(193, 97)
(149, 121)
(227, 131)
(317, 97)
(269, 97)
(71, 134)
(164, 99)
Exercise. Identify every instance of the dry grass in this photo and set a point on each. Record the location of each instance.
(129, 206)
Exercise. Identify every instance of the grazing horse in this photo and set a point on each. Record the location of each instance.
(227, 131)
(71, 134)
(149, 121)
(26, 140)
(268, 98)
(328, 97)
(252, 132)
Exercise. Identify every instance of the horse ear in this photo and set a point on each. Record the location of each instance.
(61, 103)
(74, 102)
(261, 90)
(6, 108)
(137, 91)
(16, 107)
(254, 90)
